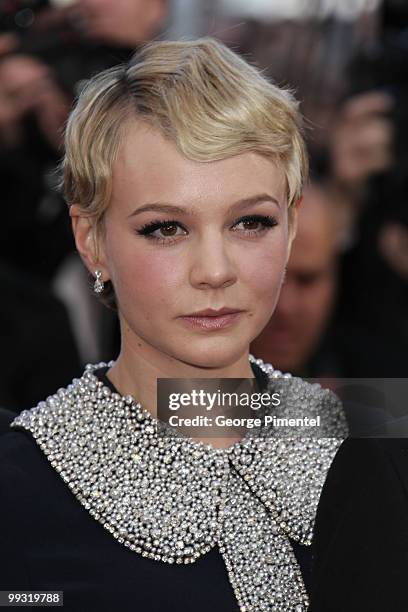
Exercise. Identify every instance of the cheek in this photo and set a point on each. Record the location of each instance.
(141, 275)
(264, 269)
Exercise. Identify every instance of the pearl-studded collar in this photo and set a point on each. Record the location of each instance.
(172, 499)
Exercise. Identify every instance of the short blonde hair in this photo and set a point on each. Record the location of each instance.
(201, 95)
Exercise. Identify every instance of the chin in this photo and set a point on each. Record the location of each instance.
(218, 353)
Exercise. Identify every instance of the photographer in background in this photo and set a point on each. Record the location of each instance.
(46, 53)
(41, 70)
(361, 530)
(370, 182)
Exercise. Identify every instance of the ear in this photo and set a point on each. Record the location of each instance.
(293, 223)
(87, 241)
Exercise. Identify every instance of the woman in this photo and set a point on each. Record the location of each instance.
(183, 172)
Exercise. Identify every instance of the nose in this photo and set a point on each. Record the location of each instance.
(212, 266)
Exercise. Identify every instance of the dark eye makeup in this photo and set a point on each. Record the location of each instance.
(265, 221)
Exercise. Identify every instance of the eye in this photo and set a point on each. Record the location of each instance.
(162, 231)
(167, 231)
(255, 224)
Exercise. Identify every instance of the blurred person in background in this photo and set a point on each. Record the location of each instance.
(42, 68)
(40, 75)
(350, 71)
(365, 496)
(296, 338)
(34, 329)
(369, 174)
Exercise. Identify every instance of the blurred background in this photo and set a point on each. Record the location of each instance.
(343, 308)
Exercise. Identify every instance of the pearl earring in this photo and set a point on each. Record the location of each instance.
(99, 285)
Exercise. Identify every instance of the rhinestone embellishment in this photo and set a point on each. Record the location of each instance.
(172, 499)
(99, 284)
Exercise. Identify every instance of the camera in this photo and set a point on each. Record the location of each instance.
(23, 19)
(19, 15)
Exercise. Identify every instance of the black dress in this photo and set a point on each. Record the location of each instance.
(361, 534)
(49, 541)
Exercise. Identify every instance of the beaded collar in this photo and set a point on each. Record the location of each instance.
(172, 499)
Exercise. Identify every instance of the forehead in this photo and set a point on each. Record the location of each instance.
(150, 168)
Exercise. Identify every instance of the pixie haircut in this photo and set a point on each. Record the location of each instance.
(200, 95)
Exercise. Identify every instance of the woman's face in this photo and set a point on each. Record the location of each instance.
(183, 236)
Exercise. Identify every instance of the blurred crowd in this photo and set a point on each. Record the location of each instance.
(343, 307)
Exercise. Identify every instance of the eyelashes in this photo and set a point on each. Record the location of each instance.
(149, 228)
(266, 222)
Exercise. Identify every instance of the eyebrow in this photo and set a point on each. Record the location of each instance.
(165, 207)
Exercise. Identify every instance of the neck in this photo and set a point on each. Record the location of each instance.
(139, 365)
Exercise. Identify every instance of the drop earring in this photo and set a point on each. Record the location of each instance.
(99, 285)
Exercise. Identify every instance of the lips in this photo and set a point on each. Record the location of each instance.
(212, 320)
(210, 312)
